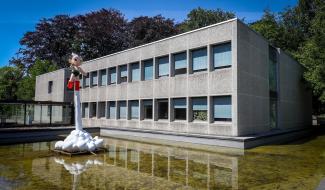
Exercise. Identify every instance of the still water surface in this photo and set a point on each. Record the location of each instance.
(135, 165)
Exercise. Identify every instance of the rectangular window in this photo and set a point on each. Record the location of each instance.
(101, 109)
(222, 55)
(200, 109)
(180, 62)
(134, 105)
(111, 110)
(93, 109)
(103, 77)
(163, 66)
(147, 108)
(163, 109)
(222, 108)
(122, 110)
(112, 75)
(123, 73)
(50, 87)
(180, 108)
(49, 110)
(272, 71)
(135, 74)
(86, 81)
(94, 78)
(148, 69)
(199, 60)
(85, 110)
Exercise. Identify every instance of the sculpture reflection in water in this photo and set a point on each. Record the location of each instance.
(77, 167)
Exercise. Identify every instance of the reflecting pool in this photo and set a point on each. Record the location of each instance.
(135, 165)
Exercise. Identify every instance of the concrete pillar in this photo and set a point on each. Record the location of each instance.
(155, 68)
(171, 115)
(210, 109)
(171, 65)
(189, 110)
(118, 81)
(155, 109)
(189, 62)
(128, 66)
(141, 67)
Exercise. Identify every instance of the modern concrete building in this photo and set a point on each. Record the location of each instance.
(215, 85)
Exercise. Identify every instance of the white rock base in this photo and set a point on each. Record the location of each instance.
(79, 141)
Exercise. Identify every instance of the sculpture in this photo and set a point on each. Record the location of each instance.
(79, 140)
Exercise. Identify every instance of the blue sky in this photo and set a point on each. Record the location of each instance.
(20, 16)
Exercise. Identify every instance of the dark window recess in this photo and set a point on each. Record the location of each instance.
(180, 71)
(180, 114)
(93, 110)
(180, 109)
(163, 109)
(147, 107)
(50, 87)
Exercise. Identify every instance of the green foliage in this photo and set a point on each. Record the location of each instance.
(26, 90)
(200, 17)
(312, 54)
(300, 31)
(200, 115)
(9, 79)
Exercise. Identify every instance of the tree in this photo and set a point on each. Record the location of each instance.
(52, 40)
(145, 29)
(312, 54)
(9, 79)
(26, 89)
(200, 17)
(269, 27)
(101, 33)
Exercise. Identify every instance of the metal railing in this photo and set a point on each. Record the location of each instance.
(35, 113)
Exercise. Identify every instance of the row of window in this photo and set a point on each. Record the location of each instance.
(144, 109)
(221, 57)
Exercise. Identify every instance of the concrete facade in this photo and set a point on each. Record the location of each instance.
(245, 81)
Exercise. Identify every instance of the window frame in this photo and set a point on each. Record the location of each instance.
(125, 78)
(145, 62)
(206, 60)
(159, 101)
(101, 77)
(110, 75)
(183, 109)
(159, 64)
(213, 109)
(180, 69)
(213, 57)
(144, 109)
(197, 110)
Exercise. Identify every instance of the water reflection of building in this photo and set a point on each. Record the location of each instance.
(199, 170)
(133, 165)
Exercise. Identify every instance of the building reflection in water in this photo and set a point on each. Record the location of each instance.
(196, 169)
(134, 165)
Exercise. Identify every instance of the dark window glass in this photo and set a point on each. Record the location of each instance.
(112, 75)
(86, 82)
(162, 109)
(101, 109)
(93, 107)
(222, 55)
(50, 87)
(180, 108)
(180, 63)
(163, 66)
(134, 108)
(222, 108)
(148, 69)
(123, 73)
(103, 77)
(199, 60)
(94, 78)
(147, 107)
(135, 72)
